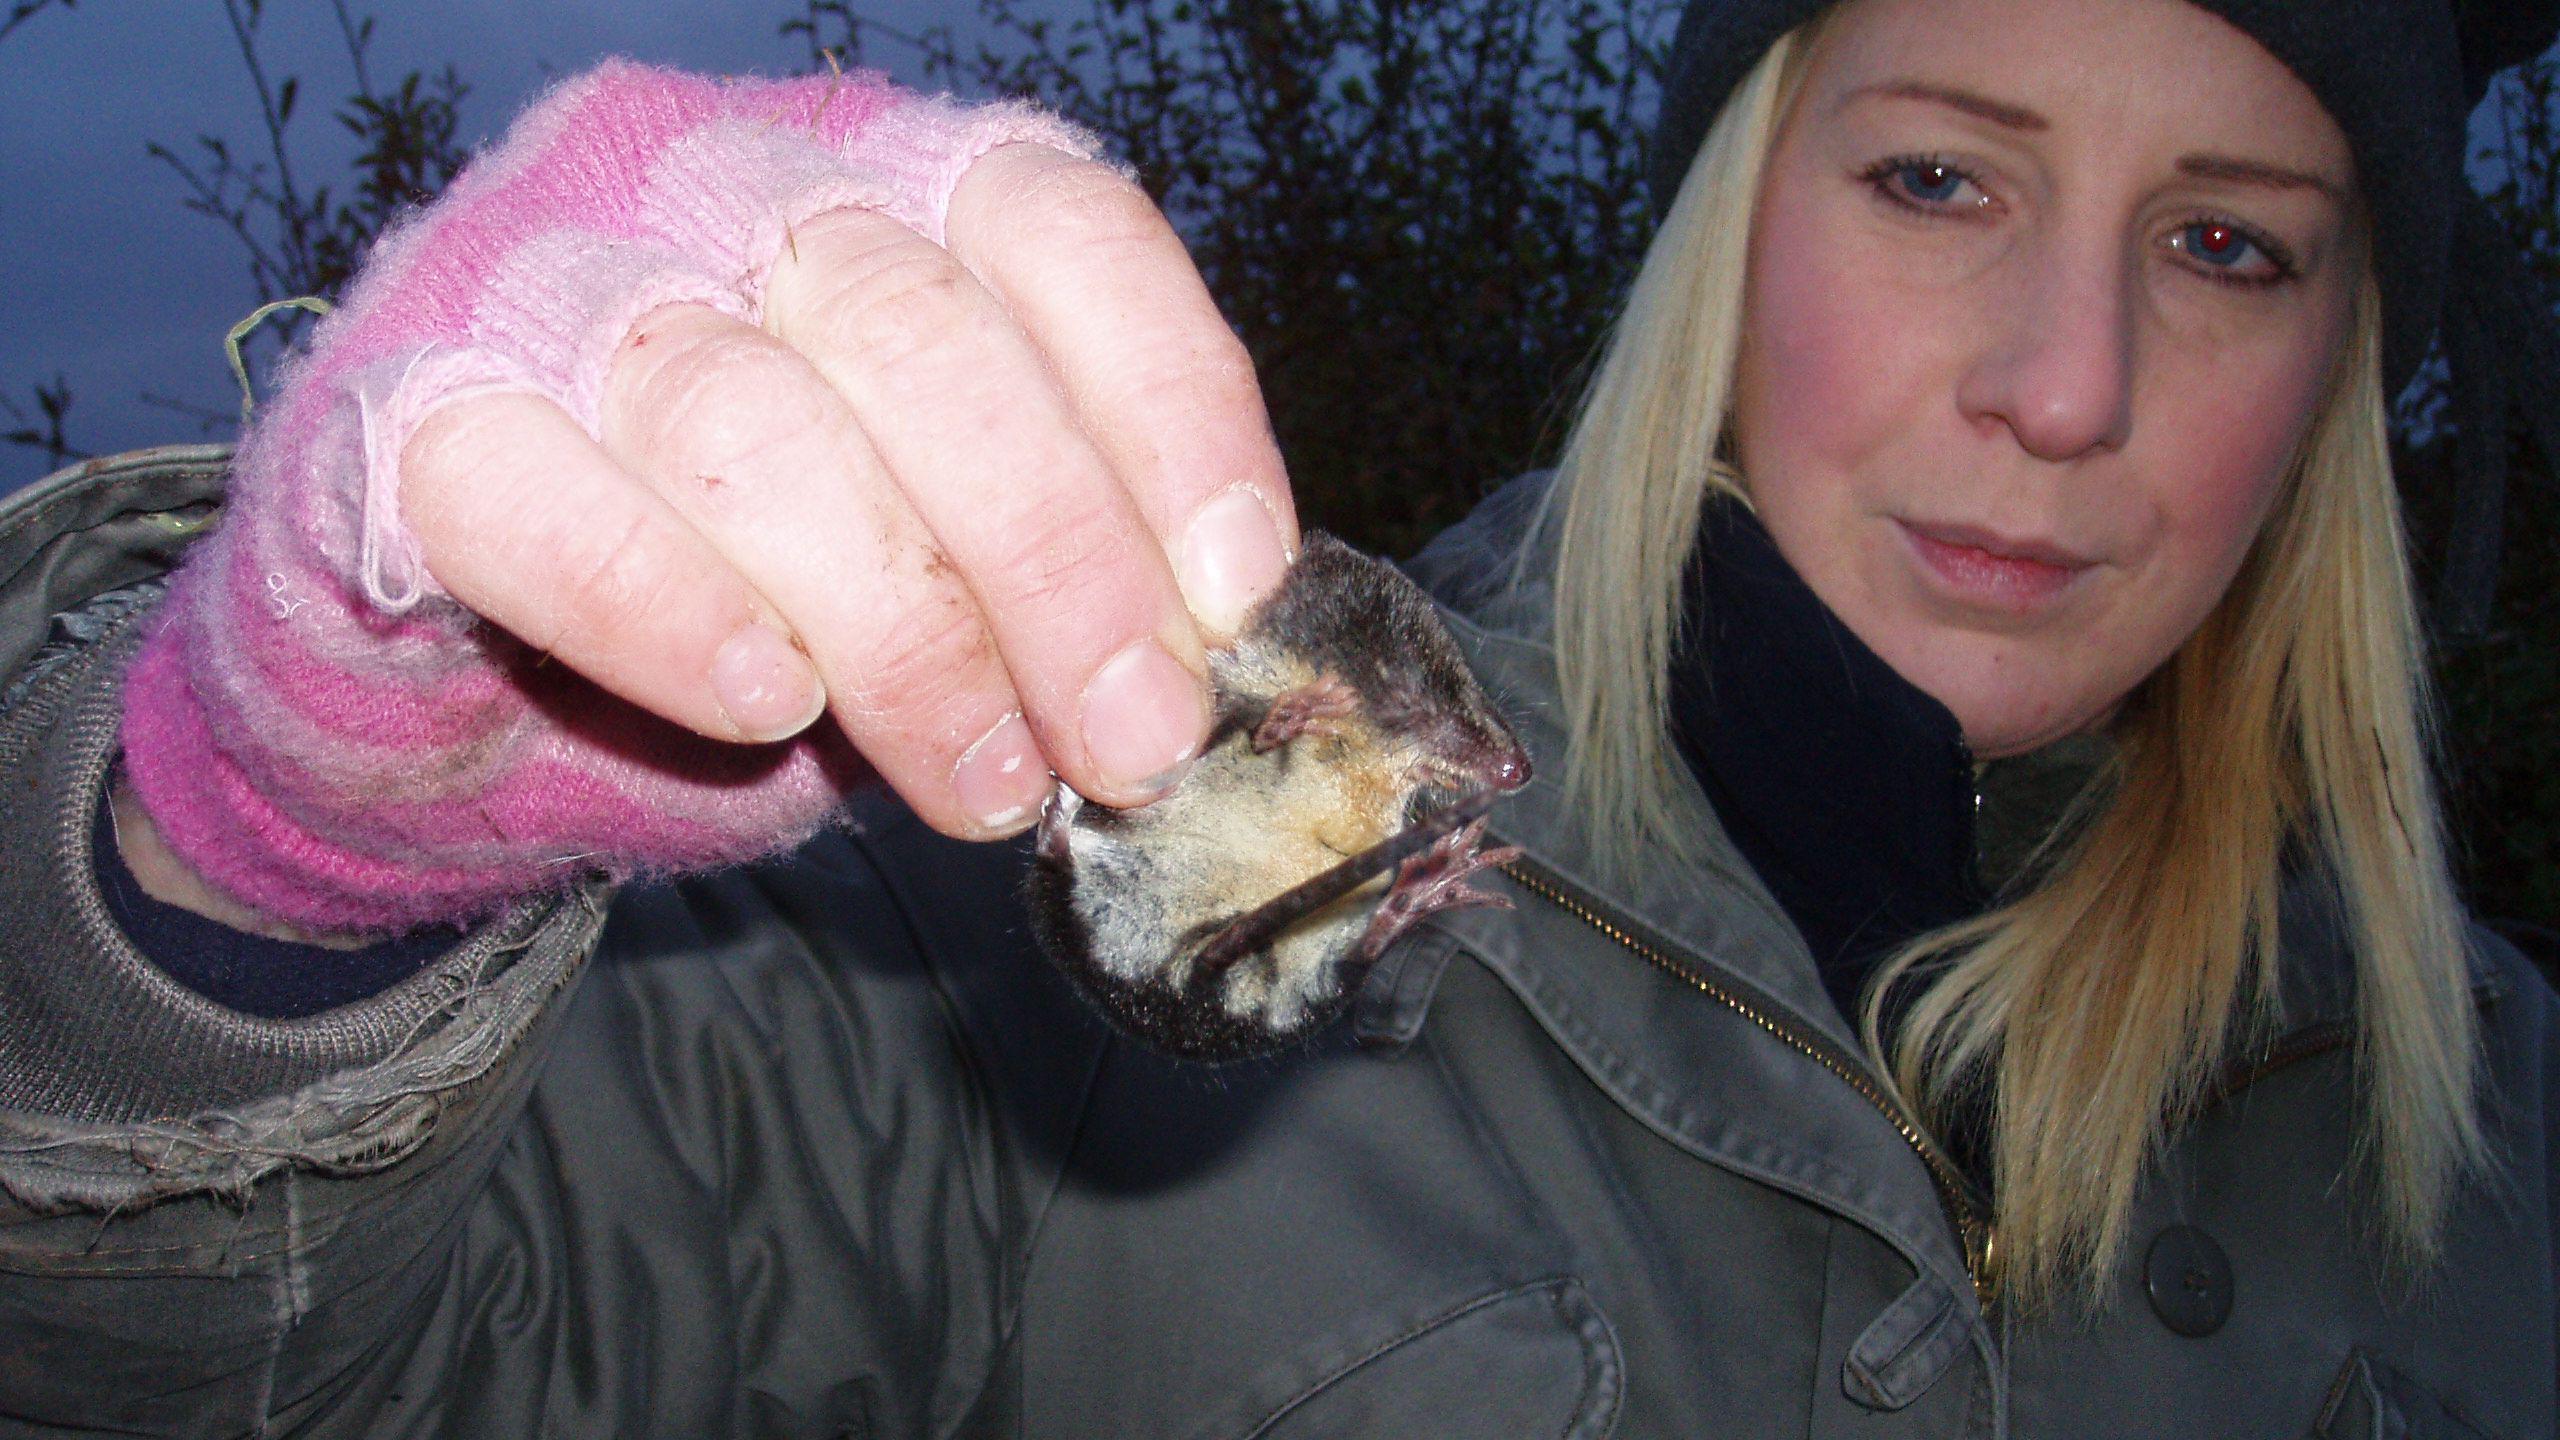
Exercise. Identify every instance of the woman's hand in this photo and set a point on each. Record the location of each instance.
(976, 506)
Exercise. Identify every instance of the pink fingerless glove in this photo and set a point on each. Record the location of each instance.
(316, 727)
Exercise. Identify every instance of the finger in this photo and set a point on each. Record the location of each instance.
(740, 437)
(1094, 273)
(532, 527)
(972, 425)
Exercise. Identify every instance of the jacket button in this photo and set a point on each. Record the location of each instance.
(2189, 1280)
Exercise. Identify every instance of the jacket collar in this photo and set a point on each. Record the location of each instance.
(1847, 788)
(1702, 1073)
(1681, 1061)
(1503, 615)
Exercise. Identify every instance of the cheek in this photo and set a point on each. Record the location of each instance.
(1828, 349)
(1844, 386)
(2219, 471)
(1847, 413)
(1798, 383)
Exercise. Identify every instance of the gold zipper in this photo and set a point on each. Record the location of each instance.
(1974, 1226)
(1976, 1230)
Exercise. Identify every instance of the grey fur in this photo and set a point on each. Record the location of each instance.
(1125, 901)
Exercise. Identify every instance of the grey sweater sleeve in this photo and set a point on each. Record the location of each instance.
(204, 1214)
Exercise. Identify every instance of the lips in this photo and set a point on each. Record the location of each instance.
(2000, 572)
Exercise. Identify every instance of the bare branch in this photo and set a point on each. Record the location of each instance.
(43, 431)
(22, 11)
(310, 242)
(207, 420)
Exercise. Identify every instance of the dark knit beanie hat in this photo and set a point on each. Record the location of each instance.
(2400, 77)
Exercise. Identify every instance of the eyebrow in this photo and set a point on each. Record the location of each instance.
(2258, 173)
(2014, 117)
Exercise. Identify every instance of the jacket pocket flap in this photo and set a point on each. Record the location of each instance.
(1535, 1360)
(1908, 1347)
(2371, 1401)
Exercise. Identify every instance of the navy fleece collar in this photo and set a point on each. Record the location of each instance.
(1847, 788)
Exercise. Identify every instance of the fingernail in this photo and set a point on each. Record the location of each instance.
(1144, 715)
(1001, 780)
(764, 685)
(1230, 558)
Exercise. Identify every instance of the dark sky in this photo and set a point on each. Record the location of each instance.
(120, 290)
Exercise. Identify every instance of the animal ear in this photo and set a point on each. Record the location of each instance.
(1311, 709)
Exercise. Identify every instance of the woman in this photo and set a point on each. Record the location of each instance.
(2047, 344)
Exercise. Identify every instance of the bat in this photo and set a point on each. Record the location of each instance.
(1340, 799)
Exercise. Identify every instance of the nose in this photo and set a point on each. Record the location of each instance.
(2056, 364)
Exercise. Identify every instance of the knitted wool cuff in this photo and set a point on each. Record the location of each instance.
(323, 733)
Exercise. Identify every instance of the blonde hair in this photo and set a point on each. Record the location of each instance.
(2099, 1007)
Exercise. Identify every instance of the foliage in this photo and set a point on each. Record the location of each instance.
(1418, 216)
(299, 242)
(43, 431)
(2501, 690)
(309, 241)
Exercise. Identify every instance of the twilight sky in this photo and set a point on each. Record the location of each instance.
(123, 292)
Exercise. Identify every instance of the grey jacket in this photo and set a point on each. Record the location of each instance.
(823, 1148)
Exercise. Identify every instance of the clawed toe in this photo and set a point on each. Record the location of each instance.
(1310, 711)
(1433, 881)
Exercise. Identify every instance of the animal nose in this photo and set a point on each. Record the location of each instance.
(1511, 771)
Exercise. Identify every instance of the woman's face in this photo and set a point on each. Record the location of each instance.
(2043, 294)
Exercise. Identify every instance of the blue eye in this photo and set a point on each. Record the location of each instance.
(2232, 254)
(2215, 244)
(1923, 183)
(1929, 181)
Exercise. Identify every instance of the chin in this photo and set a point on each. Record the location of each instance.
(2006, 703)
(2005, 723)
(2016, 682)
(2004, 744)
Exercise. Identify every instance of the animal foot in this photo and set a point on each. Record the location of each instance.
(1433, 881)
(1309, 711)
